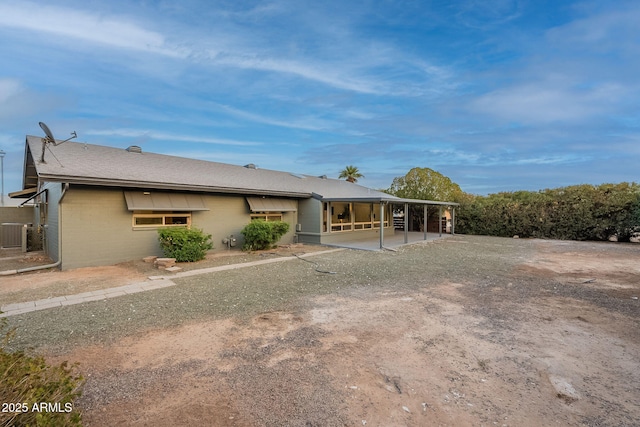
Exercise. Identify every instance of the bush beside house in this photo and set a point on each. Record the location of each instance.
(261, 234)
(183, 244)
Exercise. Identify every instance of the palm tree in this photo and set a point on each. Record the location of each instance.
(351, 173)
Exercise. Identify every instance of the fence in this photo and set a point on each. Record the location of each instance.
(18, 235)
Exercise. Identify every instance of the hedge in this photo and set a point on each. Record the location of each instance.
(579, 212)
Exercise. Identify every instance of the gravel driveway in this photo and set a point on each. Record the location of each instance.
(463, 331)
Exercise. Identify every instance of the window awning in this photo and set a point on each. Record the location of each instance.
(157, 201)
(23, 194)
(270, 204)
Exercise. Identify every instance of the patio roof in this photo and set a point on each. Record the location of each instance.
(390, 199)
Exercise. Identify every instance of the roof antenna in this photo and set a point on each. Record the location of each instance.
(49, 139)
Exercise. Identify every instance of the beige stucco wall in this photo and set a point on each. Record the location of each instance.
(97, 226)
(310, 220)
(228, 215)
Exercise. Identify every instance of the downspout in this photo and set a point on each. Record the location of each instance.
(55, 264)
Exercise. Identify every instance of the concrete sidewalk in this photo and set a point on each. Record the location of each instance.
(154, 282)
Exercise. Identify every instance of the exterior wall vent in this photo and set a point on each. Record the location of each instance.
(134, 149)
(250, 166)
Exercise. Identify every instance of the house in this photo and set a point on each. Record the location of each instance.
(99, 205)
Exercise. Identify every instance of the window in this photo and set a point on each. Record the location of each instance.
(346, 216)
(267, 216)
(340, 216)
(363, 214)
(161, 219)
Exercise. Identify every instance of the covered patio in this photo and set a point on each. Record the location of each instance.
(380, 215)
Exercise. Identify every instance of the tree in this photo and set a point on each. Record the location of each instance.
(425, 184)
(351, 173)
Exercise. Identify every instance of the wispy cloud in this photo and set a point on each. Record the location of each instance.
(18, 102)
(547, 102)
(308, 123)
(323, 74)
(160, 136)
(351, 68)
(486, 15)
(115, 31)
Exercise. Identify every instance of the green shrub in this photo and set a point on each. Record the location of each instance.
(578, 212)
(26, 381)
(183, 244)
(260, 234)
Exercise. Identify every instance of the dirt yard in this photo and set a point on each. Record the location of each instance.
(470, 331)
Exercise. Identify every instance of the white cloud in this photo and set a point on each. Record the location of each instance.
(309, 123)
(112, 31)
(611, 30)
(330, 74)
(18, 104)
(545, 102)
(8, 89)
(351, 64)
(143, 133)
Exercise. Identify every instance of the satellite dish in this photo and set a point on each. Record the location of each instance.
(47, 132)
(50, 139)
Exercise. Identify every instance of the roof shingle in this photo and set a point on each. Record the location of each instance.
(81, 163)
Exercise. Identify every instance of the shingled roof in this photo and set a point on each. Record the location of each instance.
(89, 164)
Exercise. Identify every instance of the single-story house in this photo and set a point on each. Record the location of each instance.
(99, 205)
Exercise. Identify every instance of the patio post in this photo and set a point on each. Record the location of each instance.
(453, 220)
(440, 219)
(406, 223)
(424, 209)
(381, 225)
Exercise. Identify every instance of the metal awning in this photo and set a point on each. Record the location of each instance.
(270, 204)
(22, 194)
(158, 201)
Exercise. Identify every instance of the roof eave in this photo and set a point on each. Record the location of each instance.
(387, 200)
(168, 186)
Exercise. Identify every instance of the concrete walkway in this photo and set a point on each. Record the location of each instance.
(154, 282)
(391, 240)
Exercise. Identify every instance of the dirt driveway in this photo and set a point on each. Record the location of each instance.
(470, 331)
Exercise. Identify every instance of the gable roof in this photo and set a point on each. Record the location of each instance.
(80, 163)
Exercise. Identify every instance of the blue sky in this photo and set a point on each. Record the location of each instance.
(497, 95)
